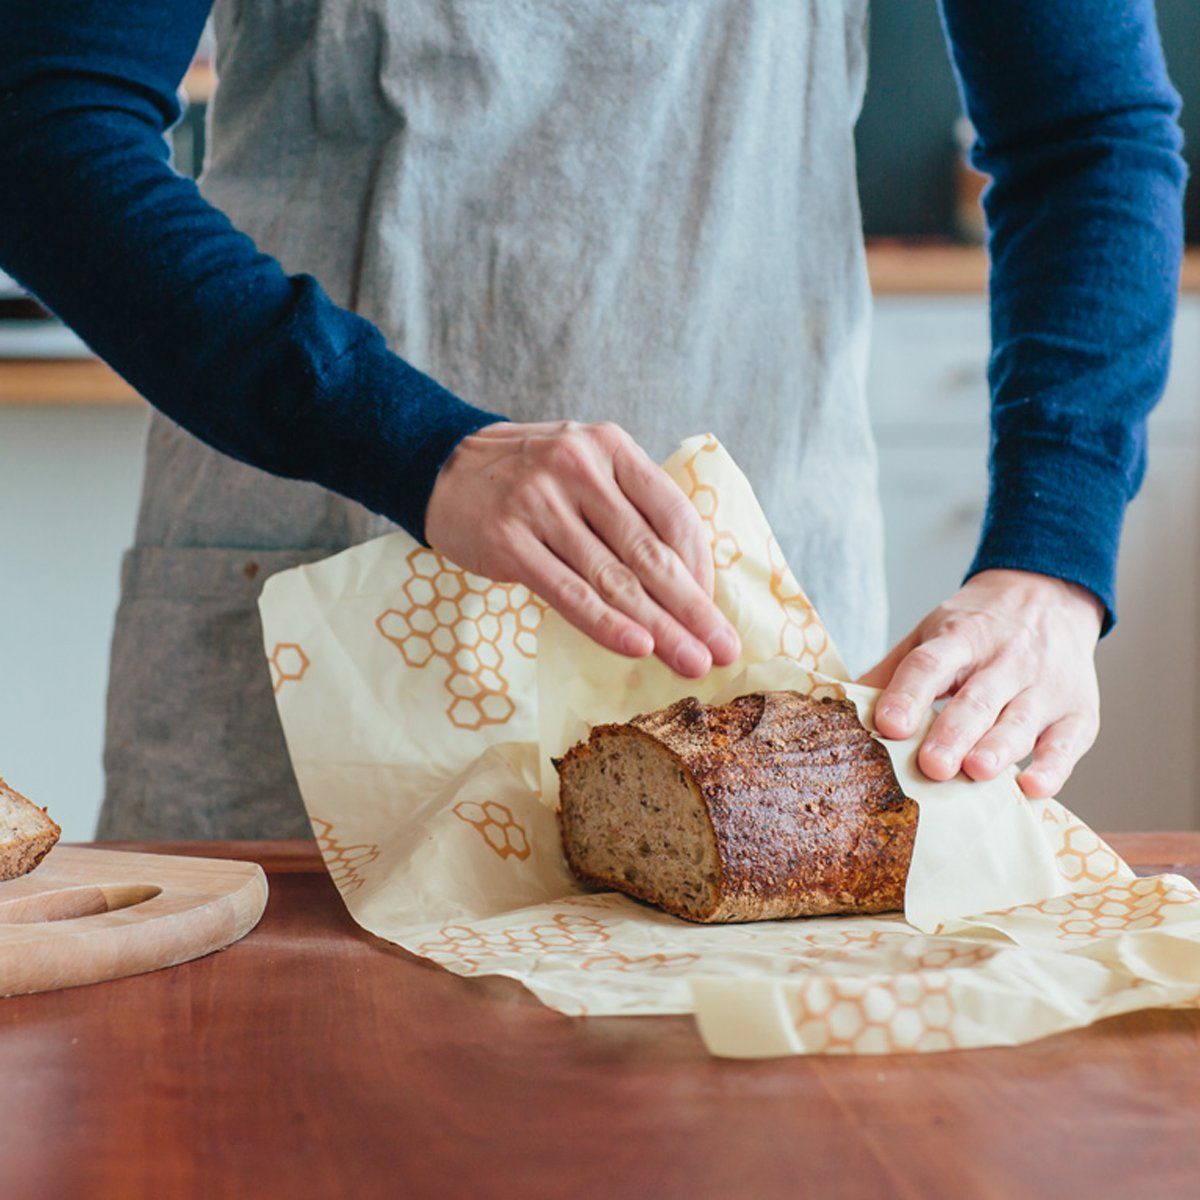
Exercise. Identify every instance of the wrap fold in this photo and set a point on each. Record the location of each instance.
(422, 705)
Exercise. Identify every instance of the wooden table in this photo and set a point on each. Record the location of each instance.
(312, 1059)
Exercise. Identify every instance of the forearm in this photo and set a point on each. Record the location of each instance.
(261, 365)
(1076, 123)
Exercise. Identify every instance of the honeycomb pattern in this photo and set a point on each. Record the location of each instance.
(803, 637)
(496, 825)
(461, 619)
(918, 952)
(646, 962)
(852, 937)
(1052, 813)
(288, 663)
(344, 862)
(1085, 858)
(725, 548)
(468, 949)
(872, 1015)
(1140, 904)
(839, 944)
(948, 956)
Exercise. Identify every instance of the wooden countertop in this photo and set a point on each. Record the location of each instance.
(314, 1060)
(934, 268)
(62, 383)
(896, 268)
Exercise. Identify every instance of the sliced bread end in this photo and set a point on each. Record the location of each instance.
(27, 833)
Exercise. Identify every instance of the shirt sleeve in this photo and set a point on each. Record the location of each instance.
(260, 364)
(1076, 124)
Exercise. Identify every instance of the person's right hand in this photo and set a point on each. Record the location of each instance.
(586, 519)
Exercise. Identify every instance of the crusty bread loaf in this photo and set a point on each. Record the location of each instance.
(773, 805)
(26, 834)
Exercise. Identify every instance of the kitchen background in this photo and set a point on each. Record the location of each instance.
(71, 440)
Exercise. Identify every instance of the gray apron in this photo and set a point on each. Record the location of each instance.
(639, 210)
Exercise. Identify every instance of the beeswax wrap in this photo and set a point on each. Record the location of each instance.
(422, 704)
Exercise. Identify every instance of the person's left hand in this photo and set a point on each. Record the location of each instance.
(1015, 650)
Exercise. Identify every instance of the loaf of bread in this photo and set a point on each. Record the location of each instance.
(26, 834)
(773, 805)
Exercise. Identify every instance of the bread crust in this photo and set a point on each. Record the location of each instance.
(805, 809)
(19, 855)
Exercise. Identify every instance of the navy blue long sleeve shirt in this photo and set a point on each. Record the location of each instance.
(1076, 123)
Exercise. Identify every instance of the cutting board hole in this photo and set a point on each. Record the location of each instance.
(67, 904)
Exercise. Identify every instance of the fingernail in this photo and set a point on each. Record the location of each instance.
(691, 660)
(940, 756)
(892, 710)
(634, 643)
(724, 644)
(985, 758)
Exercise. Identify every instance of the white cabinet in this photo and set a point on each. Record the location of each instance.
(69, 480)
(928, 395)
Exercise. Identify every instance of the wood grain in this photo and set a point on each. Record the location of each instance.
(62, 383)
(313, 1060)
(86, 915)
(943, 268)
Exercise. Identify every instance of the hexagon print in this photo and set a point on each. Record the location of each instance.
(874, 1015)
(725, 548)
(467, 623)
(1144, 903)
(288, 664)
(495, 823)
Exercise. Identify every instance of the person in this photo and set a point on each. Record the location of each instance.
(599, 227)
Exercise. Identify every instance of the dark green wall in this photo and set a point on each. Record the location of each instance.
(905, 144)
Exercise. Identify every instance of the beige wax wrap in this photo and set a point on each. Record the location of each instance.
(421, 706)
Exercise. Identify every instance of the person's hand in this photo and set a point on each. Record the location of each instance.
(1015, 650)
(586, 519)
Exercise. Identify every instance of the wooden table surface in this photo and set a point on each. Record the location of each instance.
(312, 1059)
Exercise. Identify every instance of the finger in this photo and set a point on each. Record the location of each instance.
(571, 595)
(965, 720)
(661, 573)
(1009, 740)
(567, 535)
(667, 510)
(880, 675)
(1054, 757)
(927, 671)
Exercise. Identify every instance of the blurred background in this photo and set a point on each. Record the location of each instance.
(907, 159)
(71, 441)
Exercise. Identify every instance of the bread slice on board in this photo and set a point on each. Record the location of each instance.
(26, 833)
(773, 805)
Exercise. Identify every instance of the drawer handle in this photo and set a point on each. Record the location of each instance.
(968, 375)
(966, 513)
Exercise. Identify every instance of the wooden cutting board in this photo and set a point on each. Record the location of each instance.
(86, 915)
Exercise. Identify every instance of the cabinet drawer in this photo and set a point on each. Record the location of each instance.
(929, 362)
(1180, 405)
(929, 365)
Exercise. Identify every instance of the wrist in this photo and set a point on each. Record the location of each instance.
(1053, 513)
(1031, 589)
